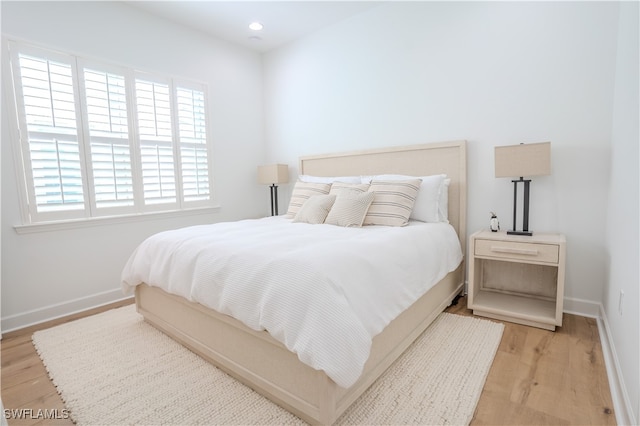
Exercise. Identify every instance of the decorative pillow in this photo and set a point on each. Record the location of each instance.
(329, 179)
(315, 209)
(393, 202)
(427, 205)
(350, 208)
(338, 187)
(301, 193)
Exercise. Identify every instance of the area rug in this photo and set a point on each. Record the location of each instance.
(113, 368)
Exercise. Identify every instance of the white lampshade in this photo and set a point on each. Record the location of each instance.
(532, 159)
(273, 173)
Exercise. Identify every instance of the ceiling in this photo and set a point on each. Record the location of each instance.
(284, 21)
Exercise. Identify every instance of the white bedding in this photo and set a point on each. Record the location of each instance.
(324, 291)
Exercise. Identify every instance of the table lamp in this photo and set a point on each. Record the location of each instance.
(273, 174)
(524, 160)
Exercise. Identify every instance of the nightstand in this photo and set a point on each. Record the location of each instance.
(517, 278)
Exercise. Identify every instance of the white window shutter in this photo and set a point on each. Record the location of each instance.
(100, 140)
(193, 144)
(156, 143)
(47, 95)
(107, 117)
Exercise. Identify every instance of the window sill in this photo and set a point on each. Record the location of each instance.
(110, 220)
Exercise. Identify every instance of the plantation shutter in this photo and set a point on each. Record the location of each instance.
(47, 97)
(156, 144)
(98, 139)
(193, 144)
(109, 139)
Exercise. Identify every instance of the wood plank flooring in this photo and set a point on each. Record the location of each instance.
(538, 377)
(541, 377)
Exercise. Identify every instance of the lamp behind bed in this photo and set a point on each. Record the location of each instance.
(272, 175)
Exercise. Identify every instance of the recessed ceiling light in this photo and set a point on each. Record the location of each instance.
(256, 26)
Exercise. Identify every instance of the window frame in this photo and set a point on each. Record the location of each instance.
(90, 211)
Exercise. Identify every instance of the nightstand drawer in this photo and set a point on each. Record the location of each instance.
(520, 251)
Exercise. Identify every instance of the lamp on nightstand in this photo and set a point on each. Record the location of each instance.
(273, 174)
(533, 159)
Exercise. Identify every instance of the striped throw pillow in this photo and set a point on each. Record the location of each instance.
(393, 202)
(301, 193)
(350, 208)
(339, 187)
(315, 209)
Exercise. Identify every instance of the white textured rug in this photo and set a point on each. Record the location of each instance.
(113, 368)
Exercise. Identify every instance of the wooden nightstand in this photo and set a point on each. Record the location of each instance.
(517, 278)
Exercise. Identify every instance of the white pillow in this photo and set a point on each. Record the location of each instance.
(329, 179)
(315, 209)
(350, 208)
(443, 202)
(393, 202)
(427, 206)
(301, 193)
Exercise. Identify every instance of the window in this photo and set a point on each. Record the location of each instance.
(108, 137)
(99, 140)
(193, 143)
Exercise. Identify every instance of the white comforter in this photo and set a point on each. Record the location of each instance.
(323, 291)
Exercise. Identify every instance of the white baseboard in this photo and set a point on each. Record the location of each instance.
(36, 316)
(584, 308)
(621, 402)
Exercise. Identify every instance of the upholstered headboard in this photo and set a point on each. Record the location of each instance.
(449, 158)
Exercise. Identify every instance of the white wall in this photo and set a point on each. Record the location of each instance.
(53, 273)
(493, 73)
(622, 228)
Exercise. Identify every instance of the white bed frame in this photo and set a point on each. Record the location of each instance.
(267, 366)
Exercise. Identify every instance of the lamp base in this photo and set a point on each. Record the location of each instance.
(527, 233)
(525, 210)
(274, 200)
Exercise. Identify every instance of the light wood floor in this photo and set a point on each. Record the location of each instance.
(538, 377)
(541, 377)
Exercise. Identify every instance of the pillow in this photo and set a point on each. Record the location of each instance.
(427, 207)
(350, 208)
(338, 187)
(427, 204)
(393, 202)
(329, 179)
(443, 202)
(315, 209)
(301, 193)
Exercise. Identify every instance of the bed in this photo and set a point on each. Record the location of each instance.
(267, 365)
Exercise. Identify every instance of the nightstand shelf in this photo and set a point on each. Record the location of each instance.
(517, 278)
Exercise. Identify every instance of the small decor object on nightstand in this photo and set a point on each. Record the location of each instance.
(494, 225)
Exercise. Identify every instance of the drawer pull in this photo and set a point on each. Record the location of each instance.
(510, 250)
